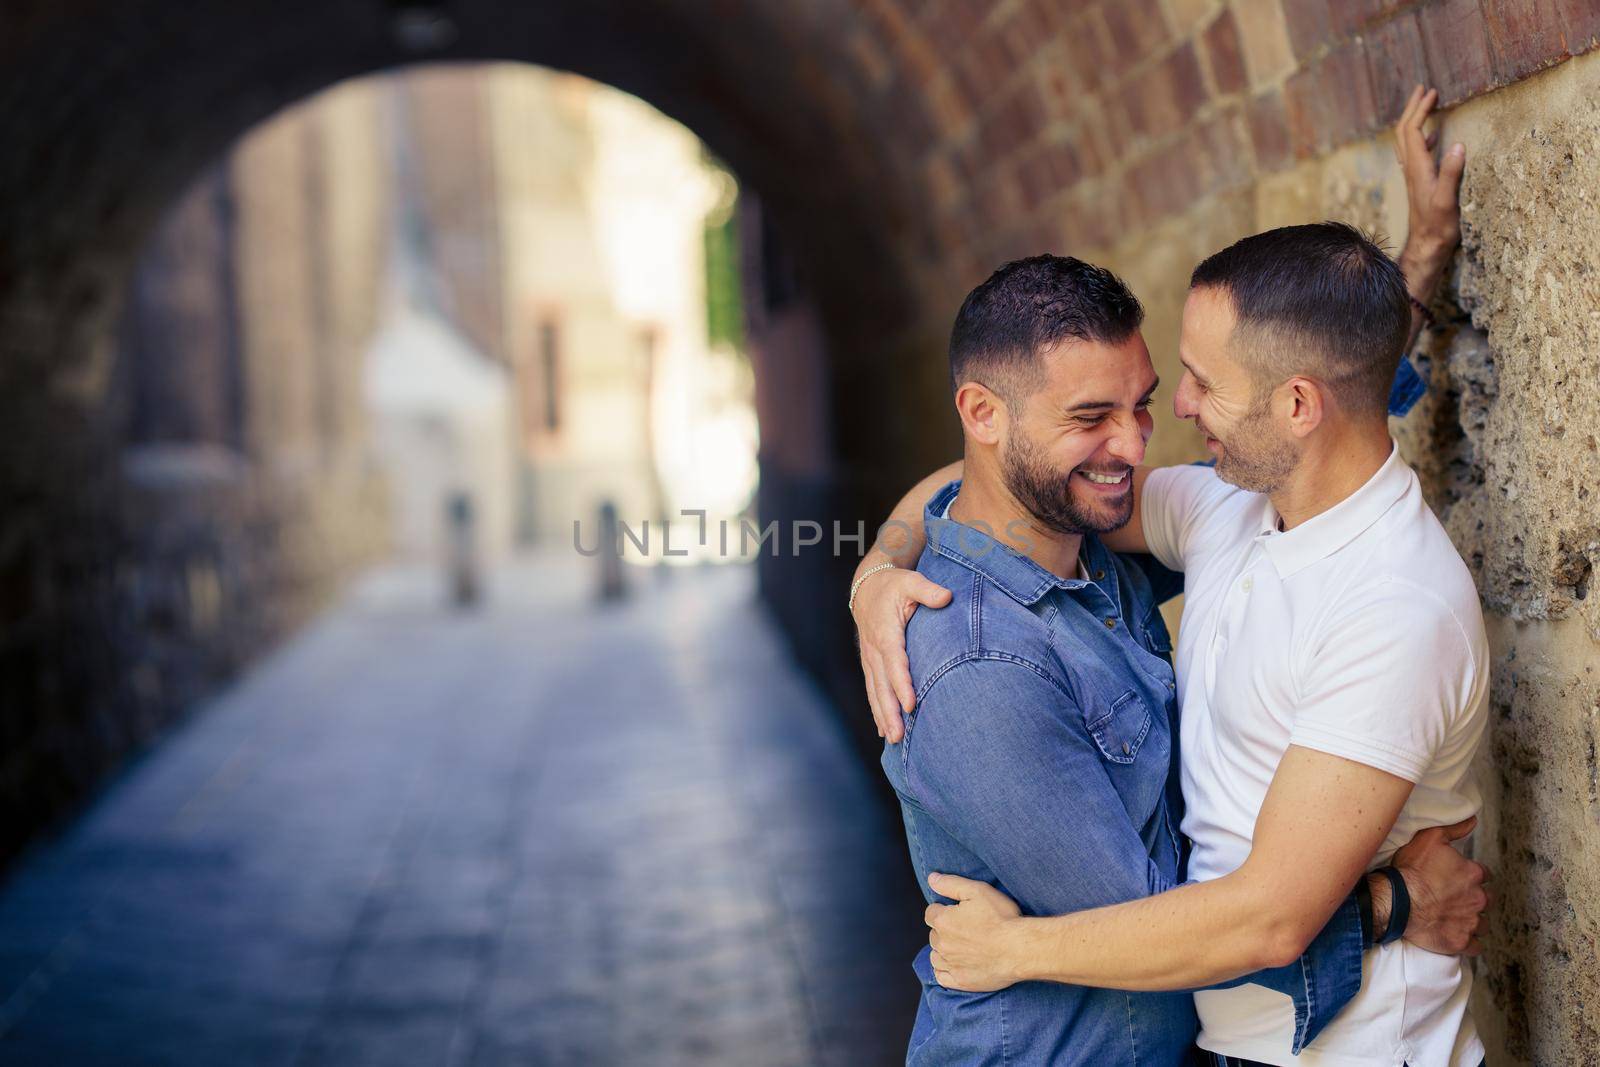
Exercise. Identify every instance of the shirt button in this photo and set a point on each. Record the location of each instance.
(1099, 575)
(1246, 584)
(1126, 749)
(1111, 624)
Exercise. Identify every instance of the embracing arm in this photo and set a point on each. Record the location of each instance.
(1324, 818)
(886, 598)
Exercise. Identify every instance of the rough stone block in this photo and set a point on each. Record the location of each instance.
(1397, 62)
(1082, 39)
(1217, 147)
(1330, 102)
(1189, 15)
(1268, 55)
(1580, 22)
(1137, 28)
(1168, 180)
(1168, 95)
(1348, 16)
(1269, 130)
(1310, 25)
(1225, 55)
(1457, 46)
(1524, 36)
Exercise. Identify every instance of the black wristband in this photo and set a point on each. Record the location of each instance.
(1369, 934)
(1399, 905)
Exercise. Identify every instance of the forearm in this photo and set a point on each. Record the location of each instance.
(1423, 264)
(1195, 936)
(902, 538)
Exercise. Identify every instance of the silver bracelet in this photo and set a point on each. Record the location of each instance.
(855, 586)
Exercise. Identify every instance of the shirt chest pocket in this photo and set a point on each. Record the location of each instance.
(1120, 727)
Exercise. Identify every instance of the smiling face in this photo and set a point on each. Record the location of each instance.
(1068, 454)
(1227, 401)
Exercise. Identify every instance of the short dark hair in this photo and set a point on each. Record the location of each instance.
(1322, 300)
(1029, 305)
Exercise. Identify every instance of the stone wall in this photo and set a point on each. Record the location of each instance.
(1508, 442)
(1505, 443)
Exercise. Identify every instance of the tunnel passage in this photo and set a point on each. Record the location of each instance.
(114, 109)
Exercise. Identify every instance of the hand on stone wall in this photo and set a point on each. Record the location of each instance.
(1434, 223)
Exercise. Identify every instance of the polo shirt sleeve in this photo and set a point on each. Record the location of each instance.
(1386, 681)
(1175, 505)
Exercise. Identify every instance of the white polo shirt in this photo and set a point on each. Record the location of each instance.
(1357, 633)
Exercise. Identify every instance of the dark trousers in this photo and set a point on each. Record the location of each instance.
(1202, 1058)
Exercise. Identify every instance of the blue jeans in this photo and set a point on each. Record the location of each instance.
(1213, 1059)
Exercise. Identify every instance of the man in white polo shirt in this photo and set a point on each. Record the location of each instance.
(1332, 665)
(1322, 626)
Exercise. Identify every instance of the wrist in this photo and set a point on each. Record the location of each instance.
(1017, 951)
(1382, 906)
(862, 577)
(873, 557)
(1423, 265)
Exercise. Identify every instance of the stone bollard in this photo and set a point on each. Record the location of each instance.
(611, 587)
(465, 586)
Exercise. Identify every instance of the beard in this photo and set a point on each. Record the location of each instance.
(1257, 456)
(1051, 498)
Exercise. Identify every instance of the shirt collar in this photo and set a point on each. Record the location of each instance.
(1014, 573)
(1324, 534)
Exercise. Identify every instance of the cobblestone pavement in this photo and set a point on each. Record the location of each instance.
(545, 832)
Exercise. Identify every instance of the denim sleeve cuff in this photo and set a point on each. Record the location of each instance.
(1159, 883)
(1406, 389)
(1332, 970)
(1323, 980)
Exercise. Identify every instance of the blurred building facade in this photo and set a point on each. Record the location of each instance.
(247, 482)
(568, 224)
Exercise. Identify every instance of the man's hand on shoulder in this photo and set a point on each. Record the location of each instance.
(884, 604)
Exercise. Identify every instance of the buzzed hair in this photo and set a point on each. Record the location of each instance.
(1320, 300)
(1030, 305)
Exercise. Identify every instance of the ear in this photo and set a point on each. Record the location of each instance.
(983, 414)
(1307, 404)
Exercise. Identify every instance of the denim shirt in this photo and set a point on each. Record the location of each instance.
(1042, 758)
